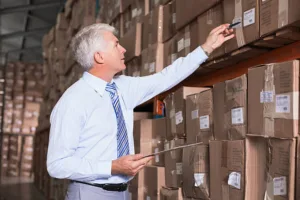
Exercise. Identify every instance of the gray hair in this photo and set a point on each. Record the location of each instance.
(87, 42)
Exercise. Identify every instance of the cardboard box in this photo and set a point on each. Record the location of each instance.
(118, 23)
(298, 170)
(142, 115)
(61, 22)
(230, 109)
(196, 172)
(152, 59)
(173, 164)
(154, 180)
(134, 67)
(227, 170)
(207, 22)
(175, 111)
(170, 52)
(246, 12)
(133, 13)
(163, 20)
(156, 3)
(277, 14)
(149, 136)
(190, 9)
(187, 39)
(159, 25)
(199, 117)
(273, 100)
(270, 168)
(132, 42)
(136, 186)
(170, 194)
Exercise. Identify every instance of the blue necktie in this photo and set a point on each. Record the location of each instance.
(122, 137)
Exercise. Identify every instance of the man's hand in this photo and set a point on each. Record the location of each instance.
(129, 165)
(217, 37)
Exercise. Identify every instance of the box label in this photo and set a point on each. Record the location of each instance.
(204, 122)
(235, 180)
(187, 43)
(146, 66)
(180, 45)
(179, 118)
(195, 114)
(172, 113)
(266, 96)
(283, 103)
(280, 186)
(199, 179)
(152, 67)
(134, 13)
(156, 2)
(173, 57)
(136, 74)
(237, 116)
(156, 156)
(249, 17)
(148, 198)
(174, 18)
(166, 146)
(178, 168)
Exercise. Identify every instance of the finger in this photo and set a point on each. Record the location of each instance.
(220, 27)
(216, 29)
(138, 170)
(227, 32)
(221, 30)
(229, 37)
(137, 157)
(142, 161)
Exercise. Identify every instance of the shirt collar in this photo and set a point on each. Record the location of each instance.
(96, 83)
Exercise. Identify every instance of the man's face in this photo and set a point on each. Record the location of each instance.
(113, 56)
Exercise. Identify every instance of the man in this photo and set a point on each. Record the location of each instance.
(91, 136)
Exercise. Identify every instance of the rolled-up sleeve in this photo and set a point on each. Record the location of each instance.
(67, 123)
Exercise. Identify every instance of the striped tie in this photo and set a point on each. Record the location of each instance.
(122, 138)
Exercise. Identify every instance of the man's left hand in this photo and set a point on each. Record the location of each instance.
(217, 37)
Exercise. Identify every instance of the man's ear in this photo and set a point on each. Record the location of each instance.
(98, 57)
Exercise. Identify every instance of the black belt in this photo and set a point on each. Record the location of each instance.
(121, 187)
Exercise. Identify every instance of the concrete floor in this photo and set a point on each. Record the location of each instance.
(19, 189)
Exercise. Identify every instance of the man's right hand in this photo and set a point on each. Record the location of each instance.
(129, 165)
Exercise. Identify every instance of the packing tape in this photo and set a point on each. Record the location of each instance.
(160, 25)
(187, 41)
(268, 107)
(209, 16)
(225, 192)
(283, 14)
(172, 153)
(269, 194)
(239, 31)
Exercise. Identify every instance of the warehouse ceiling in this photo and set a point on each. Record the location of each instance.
(22, 26)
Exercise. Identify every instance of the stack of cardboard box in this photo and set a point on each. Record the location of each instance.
(157, 32)
(149, 136)
(23, 96)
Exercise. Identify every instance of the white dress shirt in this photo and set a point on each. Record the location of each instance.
(82, 141)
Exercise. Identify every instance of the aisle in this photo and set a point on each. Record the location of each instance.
(19, 189)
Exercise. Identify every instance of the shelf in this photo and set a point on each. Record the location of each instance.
(211, 77)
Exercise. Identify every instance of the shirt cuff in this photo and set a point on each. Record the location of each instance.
(104, 168)
(198, 55)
